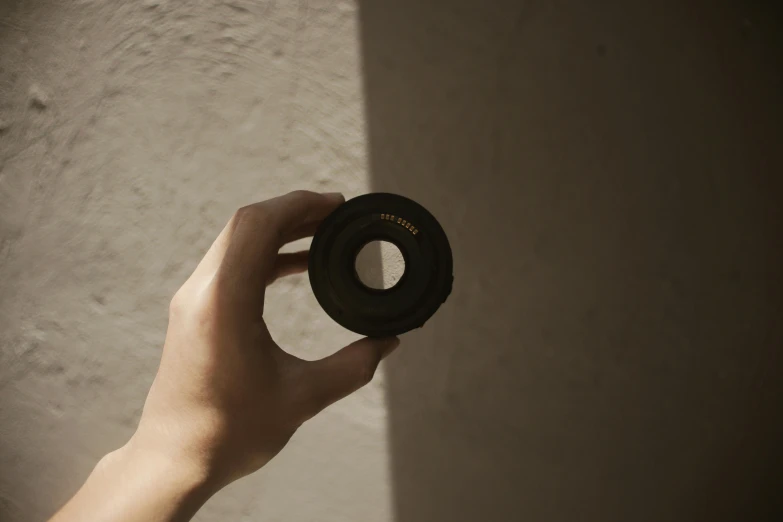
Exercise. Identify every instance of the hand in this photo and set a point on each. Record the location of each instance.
(226, 398)
(226, 395)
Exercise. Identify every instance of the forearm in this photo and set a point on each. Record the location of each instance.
(134, 485)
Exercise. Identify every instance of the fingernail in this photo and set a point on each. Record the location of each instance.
(335, 196)
(390, 345)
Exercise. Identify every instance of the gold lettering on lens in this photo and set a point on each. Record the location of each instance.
(396, 219)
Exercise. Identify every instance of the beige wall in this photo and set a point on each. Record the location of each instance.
(608, 176)
(610, 179)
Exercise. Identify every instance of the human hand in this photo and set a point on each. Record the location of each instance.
(226, 397)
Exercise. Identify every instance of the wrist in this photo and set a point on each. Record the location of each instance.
(179, 469)
(136, 483)
(169, 486)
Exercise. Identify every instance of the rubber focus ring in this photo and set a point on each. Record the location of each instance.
(424, 286)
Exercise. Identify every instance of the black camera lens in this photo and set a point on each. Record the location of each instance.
(416, 296)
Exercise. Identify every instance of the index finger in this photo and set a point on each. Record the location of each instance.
(299, 208)
(257, 232)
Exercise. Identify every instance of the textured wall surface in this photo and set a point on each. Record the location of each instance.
(608, 176)
(161, 118)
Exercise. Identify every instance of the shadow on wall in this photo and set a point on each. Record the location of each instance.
(608, 180)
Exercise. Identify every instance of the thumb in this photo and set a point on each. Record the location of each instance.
(347, 370)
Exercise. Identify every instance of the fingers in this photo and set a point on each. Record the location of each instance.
(344, 372)
(289, 264)
(299, 208)
(258, 231)
(303, 231)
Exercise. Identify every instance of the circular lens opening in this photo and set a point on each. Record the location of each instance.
(380, 265)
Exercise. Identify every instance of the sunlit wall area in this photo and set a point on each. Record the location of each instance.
(130, 133)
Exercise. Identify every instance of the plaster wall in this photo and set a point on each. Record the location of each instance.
(608, 175)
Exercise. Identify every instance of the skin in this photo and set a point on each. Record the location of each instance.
(226, 398)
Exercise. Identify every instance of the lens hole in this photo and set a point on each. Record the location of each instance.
(380, 265)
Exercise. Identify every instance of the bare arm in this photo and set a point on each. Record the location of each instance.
(133, 484)
(226, 398)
